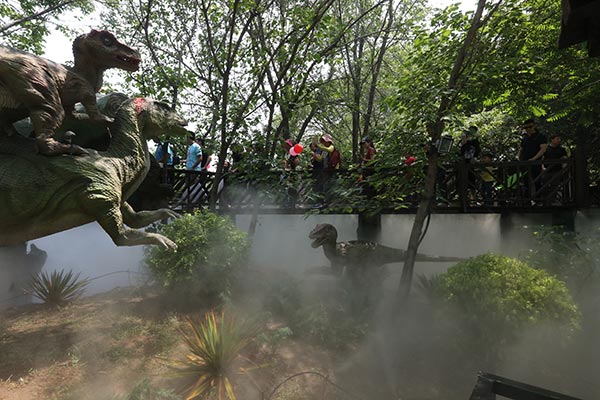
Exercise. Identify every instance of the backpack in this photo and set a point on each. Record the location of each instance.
(335, 159)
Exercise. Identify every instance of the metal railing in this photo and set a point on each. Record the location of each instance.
(488, 386)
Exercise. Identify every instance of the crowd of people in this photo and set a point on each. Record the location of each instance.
(540, 182)
(323, 158)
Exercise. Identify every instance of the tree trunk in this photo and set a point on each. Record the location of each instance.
(435, 132)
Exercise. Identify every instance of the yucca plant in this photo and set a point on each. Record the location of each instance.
(427, 286)
(58, 287)
(214, 344)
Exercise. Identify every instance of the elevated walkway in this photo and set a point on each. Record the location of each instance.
(520, 187)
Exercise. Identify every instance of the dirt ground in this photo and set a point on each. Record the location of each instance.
(103, 346)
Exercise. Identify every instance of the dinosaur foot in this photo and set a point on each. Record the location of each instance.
(50, 147)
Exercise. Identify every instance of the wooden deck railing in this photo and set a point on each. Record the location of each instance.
(460, 187)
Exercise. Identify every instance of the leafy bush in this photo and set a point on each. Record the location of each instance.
(571, 256)
(498, 296)
(58, 288)
(210, 251)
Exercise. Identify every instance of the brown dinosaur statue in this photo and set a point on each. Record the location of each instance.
(40, 195)
(47, 91)
(357, 255)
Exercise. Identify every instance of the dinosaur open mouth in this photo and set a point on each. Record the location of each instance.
(316, 243)
(130, 60)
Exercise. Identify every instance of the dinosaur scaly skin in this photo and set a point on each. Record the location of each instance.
(47, 91)
(358, 254)
(40, 195)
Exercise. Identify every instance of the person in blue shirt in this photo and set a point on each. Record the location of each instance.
(162, 156)
(194, 155)
(165, 156)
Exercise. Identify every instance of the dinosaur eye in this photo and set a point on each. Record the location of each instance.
(107, 41)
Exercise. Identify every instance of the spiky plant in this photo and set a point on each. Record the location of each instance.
(214, 344)
(58, 287)
(427, 286)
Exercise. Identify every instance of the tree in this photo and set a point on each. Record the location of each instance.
(435, 126)
(24, 23)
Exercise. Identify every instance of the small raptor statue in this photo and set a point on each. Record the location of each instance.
(356, 255)
(47, 91)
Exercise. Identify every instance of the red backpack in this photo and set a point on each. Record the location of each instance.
(335, 159)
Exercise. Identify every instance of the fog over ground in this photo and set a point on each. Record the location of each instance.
(394, 346)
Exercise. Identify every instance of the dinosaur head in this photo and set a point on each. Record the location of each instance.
(323, 233)
(103, 50)
(159, 119)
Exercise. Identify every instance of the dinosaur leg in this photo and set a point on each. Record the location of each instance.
(93, 113)
(144, 218)
(111, 220)
(45, 122)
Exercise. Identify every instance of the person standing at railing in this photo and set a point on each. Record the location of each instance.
(368, 151)
(318, 163)
(367, 157)
(487, 179)
(206, 157)
(290, 178)
(193, 162)
(164, 154)
(552, 172)
(194, 154)
(334, 162)
(533, 147)
(469, 152)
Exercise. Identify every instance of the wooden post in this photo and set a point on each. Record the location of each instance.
(369, 227)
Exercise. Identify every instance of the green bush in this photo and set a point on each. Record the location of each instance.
(498, 296)
(210, 252)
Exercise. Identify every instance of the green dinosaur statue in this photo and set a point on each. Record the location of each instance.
(40, 195)
(358, 255)
(47, 91)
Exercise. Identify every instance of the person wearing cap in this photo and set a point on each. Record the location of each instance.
(333, 155)
(368, 150)
(290, 160)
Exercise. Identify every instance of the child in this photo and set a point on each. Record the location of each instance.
(487, 178)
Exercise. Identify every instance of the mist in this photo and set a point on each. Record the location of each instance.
(412, 348)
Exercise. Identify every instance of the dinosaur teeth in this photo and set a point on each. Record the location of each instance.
(129, 59)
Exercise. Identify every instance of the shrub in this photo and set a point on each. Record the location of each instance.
(571, 256)
(213, 345)
(497, 296)
(210, 251)
(58, 288)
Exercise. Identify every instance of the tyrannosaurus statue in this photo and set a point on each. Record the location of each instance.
(357, 255)
(40, 196)
(47, 91)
